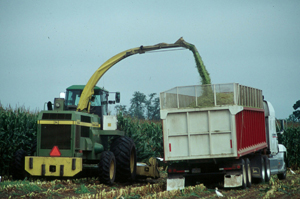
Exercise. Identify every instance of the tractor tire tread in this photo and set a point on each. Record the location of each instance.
(104, 167)
(18, 171)
(122, 147)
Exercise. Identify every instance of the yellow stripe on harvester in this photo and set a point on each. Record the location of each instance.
(64, 122)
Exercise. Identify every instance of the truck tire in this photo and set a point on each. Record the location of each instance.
(267, 169)
(244, 174)
(248, 171)
(18, 172)
(262, 170)
(282, 176)
(124, 150)
(107, 167)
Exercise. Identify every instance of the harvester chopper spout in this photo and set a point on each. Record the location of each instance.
(88, 90)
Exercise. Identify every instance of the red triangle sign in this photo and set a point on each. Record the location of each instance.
(55, 152)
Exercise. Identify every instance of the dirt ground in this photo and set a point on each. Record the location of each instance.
(92, 188)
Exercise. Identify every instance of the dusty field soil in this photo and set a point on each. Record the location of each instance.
(92, 188)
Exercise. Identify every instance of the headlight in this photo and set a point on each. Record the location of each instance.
(57, 105)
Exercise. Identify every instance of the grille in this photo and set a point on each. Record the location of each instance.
(85, 131)
(58, 116)
(55, 135)
(86, 119)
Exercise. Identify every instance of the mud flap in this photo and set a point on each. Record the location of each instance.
(233, 179)
(175, 183)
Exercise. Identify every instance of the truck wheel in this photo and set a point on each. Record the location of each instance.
(248, 170)
(244, 173)
(124, 149)
(262, 170)
(267, 169)
(282, 176)
(18, 172)
(107, 167)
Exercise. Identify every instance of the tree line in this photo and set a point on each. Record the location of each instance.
(295, 116)
(141, 107)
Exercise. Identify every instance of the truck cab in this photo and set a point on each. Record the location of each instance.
(277, 152)
(271, 134)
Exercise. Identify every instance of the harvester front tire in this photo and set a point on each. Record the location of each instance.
(124, 150)
(107, 168)
(18, 172)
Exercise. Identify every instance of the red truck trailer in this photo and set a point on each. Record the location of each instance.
(220, 132)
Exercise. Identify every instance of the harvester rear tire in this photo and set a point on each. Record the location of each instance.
(124, 150)
(107, 168)
(18, 172)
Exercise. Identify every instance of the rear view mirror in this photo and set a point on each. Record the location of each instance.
(282, 126)
(117, 97)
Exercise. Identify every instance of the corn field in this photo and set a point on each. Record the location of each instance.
(291, 140)
(17, 131)
(147, 136)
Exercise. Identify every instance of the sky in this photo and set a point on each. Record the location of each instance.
(47, 46)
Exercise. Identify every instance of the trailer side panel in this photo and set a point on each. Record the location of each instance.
(194, 133)
(250, 131)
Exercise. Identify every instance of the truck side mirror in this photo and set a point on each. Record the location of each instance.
(280, 126)
(118, 97)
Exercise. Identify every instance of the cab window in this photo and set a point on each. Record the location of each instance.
(97, 101)
(72, 97)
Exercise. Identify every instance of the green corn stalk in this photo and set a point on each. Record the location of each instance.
(147, 136)
(291, 140)
(17, 131)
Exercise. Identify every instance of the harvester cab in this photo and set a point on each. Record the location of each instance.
(98, 104)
